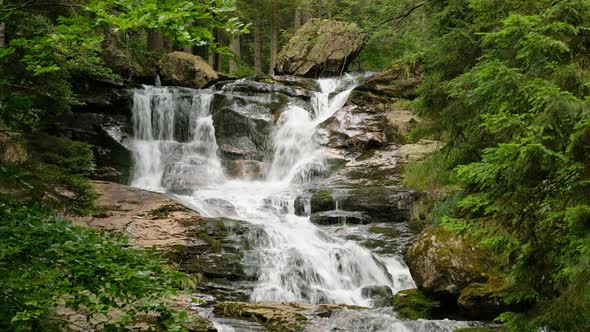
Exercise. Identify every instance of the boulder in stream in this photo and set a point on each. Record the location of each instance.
(443, 264)
(321, 47)
(185, 69)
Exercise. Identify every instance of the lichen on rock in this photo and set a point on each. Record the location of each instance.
(321, 47)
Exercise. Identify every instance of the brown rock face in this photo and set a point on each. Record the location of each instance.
(184, 69)
(321, 48)
(148, 218)
(443, 264)
(397, 82)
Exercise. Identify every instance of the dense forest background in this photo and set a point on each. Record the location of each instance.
(505, 86)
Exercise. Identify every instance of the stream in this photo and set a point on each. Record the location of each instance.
(248, 150)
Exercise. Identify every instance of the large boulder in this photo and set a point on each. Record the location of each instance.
(321, 48)
(443, 264)
(185, 69)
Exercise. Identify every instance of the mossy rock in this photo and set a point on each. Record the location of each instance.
(484, 301)
(323, 201)
(321, 48)
(413, 304)
(389, 232)
(443, 263)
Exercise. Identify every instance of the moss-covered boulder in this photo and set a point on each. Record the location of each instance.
(321, 48)
(484, 301)
(185, 69)
(443, 263)
(412, 304)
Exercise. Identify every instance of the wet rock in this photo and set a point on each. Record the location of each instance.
(381, 295)
(397, 82)
(323, 201)
(245, 169)
(378, 204)
(276, 87)
(354, 128)
(185, 69)
(302, 206)
(412, 304)
(443, 264)
(321, 48)
(108, 134)
(221, 206)
(337, 217)
(294, 81)
(277, 316)
(241, 128)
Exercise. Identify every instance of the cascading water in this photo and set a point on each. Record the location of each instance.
(174, 141)
(295, 260)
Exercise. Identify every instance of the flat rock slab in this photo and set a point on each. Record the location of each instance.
(148, 218)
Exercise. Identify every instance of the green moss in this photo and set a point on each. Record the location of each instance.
(386, 231)
(165, 210)
(323, 200)
(412, 304)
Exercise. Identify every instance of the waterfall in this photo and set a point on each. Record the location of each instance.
(163, 118)
(295, 260)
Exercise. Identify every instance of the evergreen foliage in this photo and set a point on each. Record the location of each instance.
(507, 83)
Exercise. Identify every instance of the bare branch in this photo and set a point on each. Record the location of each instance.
(400, 17)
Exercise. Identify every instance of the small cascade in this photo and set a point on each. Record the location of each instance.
(174, 139)
(296, 156)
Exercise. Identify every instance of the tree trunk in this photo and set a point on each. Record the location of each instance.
(297, 18)
(235, 48)
(219, 57)
(2, 34)
(257, 46)
(274, 37)
(155, 41)
(308, 13)
(210, 57)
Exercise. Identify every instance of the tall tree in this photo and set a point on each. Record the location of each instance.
(235, 48)
(274, 36)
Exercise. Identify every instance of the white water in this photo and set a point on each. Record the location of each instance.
(161, 161)
(296, 260)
